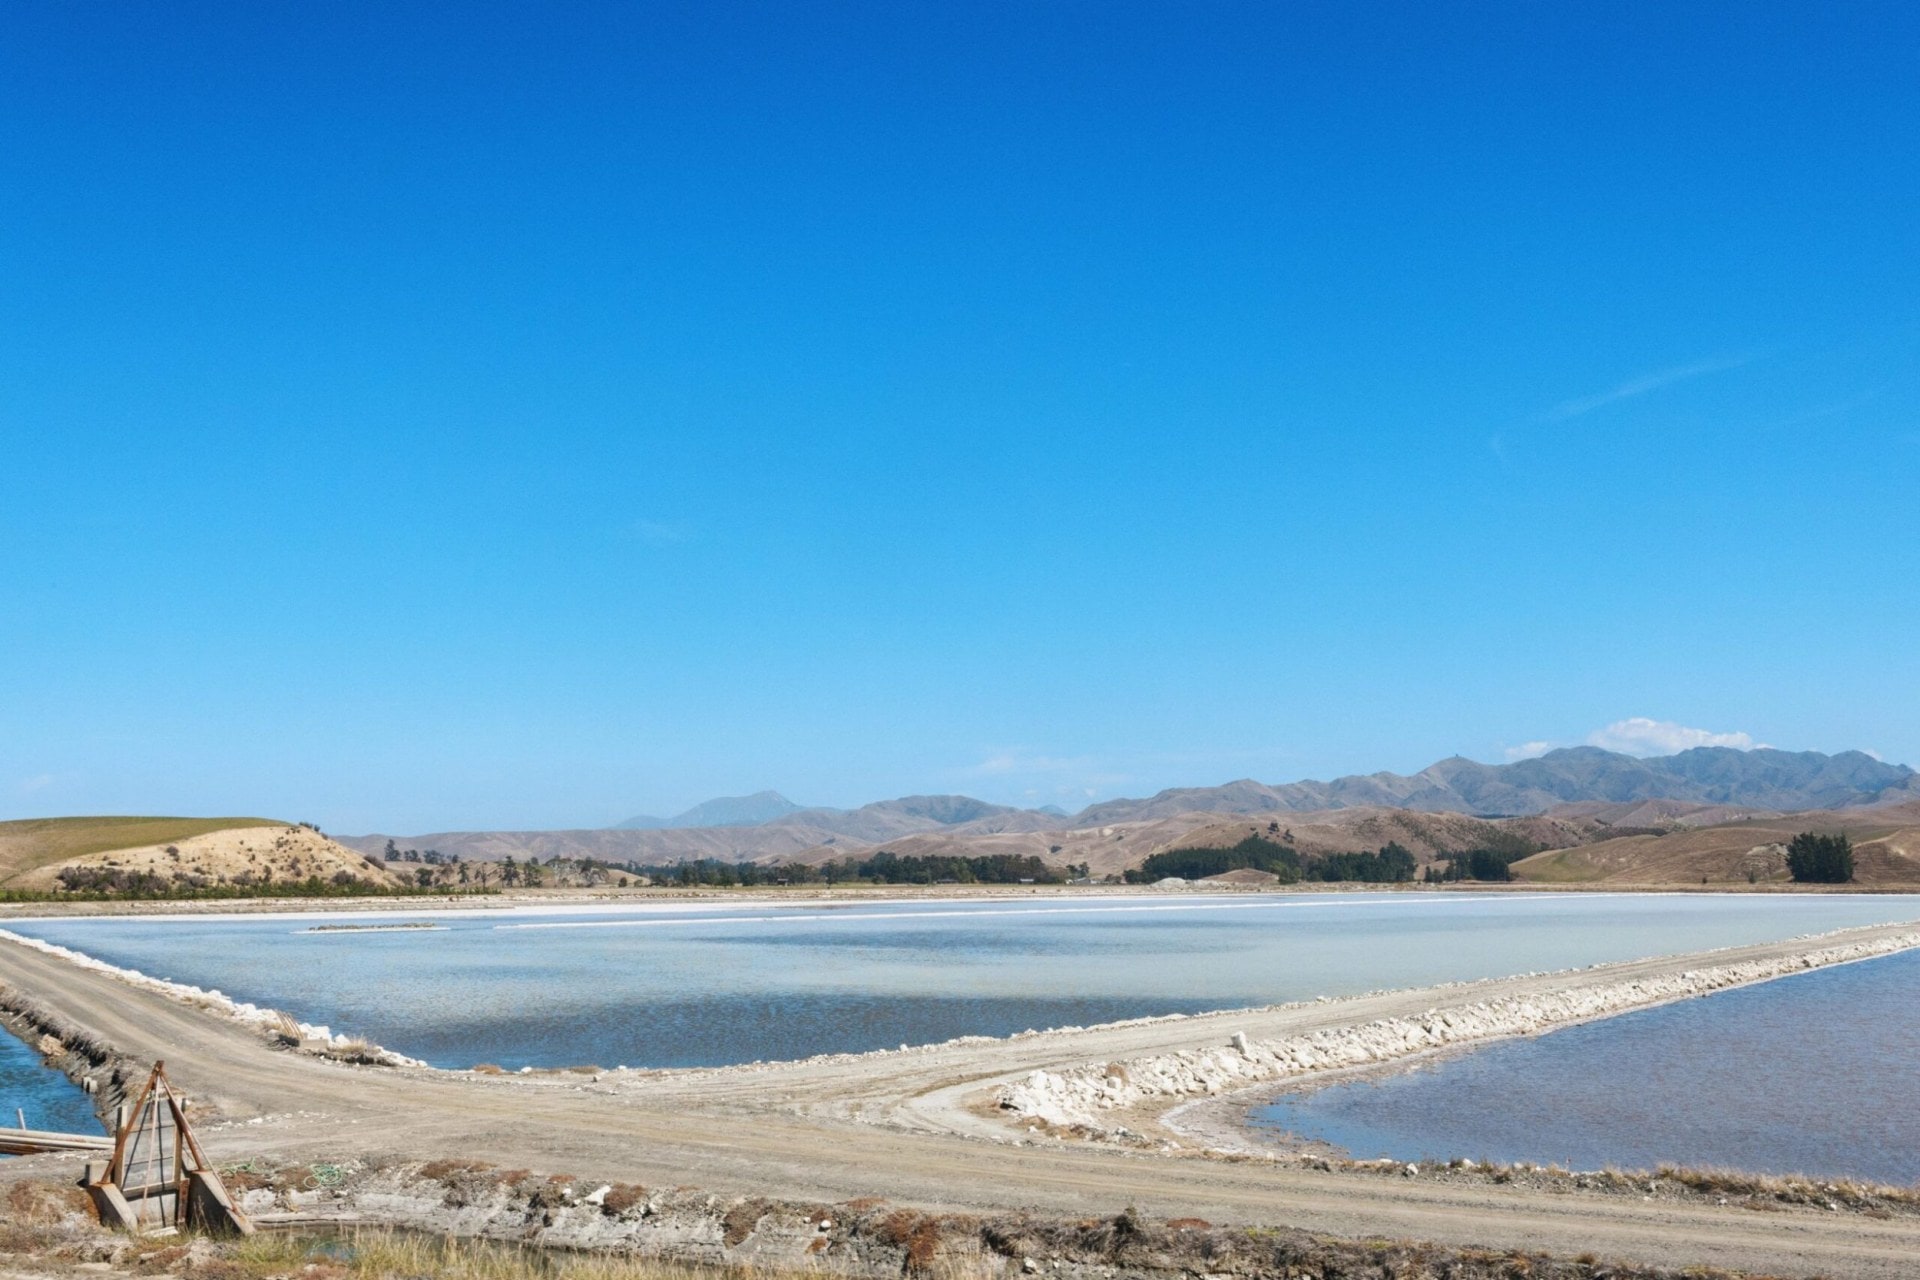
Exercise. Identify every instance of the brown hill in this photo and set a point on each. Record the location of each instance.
(1886, 851)
(1579, 784)
(27, 843)
(258, 854)
(1425, 835)
(1668, 815)
(1105, 850)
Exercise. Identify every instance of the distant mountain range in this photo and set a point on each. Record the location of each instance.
(725, 811)
(768, 825)
(1762, 778)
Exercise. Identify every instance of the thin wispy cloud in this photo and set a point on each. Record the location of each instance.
(1527, 750)
(1643, 385)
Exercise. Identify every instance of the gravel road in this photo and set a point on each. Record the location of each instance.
(910, 1127)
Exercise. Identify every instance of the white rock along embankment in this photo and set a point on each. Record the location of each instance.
(1083, 1096)
(264, 1021)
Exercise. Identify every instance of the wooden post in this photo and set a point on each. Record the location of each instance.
(158, 1178)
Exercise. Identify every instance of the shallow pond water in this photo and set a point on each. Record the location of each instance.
(708, 984)
(48, 1099)
(1817, 1074)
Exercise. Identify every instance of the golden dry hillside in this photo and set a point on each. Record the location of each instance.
(28, 843)
(188, 852)
(1886, 851)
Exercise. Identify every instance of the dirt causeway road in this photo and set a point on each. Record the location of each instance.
(905, 1126)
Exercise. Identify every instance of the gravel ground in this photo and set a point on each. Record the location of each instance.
(913, 1127)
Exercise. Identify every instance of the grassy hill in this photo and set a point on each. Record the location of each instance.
(29, 843)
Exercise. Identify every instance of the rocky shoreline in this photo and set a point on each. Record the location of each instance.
(629, 1226)
(1088, 1098)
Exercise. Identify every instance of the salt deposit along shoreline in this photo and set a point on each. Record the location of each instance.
(1090, 1097)
(920, 1127)
(1093, 1098)
(263, 1021)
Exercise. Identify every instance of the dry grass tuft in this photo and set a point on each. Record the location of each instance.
(917, 1234)
(740, 1220)
(621, 1197)
(38, 1204)
(382, 1255)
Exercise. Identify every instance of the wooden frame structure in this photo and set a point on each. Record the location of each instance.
(158, 1180)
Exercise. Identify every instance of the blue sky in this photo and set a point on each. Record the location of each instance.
(534, 415)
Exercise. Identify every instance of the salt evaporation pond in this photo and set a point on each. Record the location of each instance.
(1817, 1074)
(48, 1099)
(683, 984)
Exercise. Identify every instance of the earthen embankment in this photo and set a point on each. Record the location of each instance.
(1086, 1095)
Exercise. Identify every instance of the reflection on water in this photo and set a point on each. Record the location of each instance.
(736, 982)
(1815, 1074)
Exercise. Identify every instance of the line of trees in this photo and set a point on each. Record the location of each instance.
(1818, 859)
(1391, 864)
(108, 884)
(880, 867)
(1256, 853)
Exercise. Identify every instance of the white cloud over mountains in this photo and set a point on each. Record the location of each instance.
(1639, 736)
(1642, 736)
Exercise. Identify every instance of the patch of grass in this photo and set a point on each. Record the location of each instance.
(1560, 866)
(384, 1255)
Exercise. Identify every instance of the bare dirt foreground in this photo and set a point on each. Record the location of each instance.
(918, 1128)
